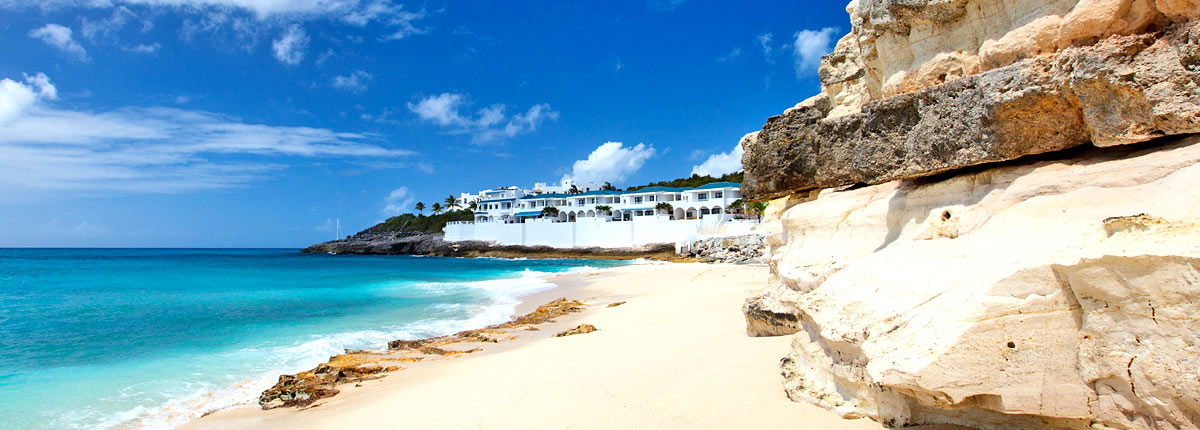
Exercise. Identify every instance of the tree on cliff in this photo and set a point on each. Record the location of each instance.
(420, 207)
(451, 202)
(437, 208)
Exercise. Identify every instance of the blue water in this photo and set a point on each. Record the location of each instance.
(152, 338)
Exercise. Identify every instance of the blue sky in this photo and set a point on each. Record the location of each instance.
(256, 123)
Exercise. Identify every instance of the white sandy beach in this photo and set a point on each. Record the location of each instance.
(675, 355)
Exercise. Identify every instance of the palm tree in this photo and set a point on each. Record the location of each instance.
(451, 202)
(420, 207)
(473, 206)
(608, 187)
(736, 206)
(437, 208)
(549, 211)
(664, 206)
(757, 208)
(604, 209)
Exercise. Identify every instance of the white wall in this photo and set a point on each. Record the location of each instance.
(585, 232)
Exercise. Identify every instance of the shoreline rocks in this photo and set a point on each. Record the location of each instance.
(744, 249)
(304, 388)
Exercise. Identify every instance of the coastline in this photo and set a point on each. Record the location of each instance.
(675, 354)
(432, 245)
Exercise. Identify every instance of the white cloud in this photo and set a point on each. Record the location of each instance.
(487, 125)
(764, 40)
(143, 48)
(733, 53)
(289, 48)
(405, 23)
(398, 201)
(400, 21)
(60, 37)
(150, 149)
(721, 163)
(106, 27)
(16, 98)
(610, 162)
(356, 82)
(666, 5)
(809, 47)
(328, 226)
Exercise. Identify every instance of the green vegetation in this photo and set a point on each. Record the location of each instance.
(550, 211)
(604, 209)
(753, 208)
(414, 223)
(663, 207)
(420, 207)
(692, 182)
(737, 206)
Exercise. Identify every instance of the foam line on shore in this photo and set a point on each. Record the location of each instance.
(504, 295)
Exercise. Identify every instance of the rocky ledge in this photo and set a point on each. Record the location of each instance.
(431, 244)
(1124, 89)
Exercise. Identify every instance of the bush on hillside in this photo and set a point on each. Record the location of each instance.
(405, 223)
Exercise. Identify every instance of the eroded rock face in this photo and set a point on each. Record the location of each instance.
(899, 46)
(1123, 89)
(1051, 294)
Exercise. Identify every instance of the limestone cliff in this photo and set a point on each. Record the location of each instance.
(906, 94)
(933, 268)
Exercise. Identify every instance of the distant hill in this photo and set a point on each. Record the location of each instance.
(692, 182)
(405, 223)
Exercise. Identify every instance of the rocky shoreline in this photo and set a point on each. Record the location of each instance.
(431, 244)
(354, 366)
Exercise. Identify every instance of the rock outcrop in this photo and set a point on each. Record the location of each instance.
(304, 388)
(580, 329)
(924, 87)
(1057, 294)
(743, 249)
(989, 217)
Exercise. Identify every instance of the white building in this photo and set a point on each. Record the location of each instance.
(605, 218)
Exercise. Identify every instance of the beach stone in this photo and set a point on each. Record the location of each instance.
(1058, 293)
(580, 329)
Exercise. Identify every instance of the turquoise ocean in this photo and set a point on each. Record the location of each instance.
(153, 338)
